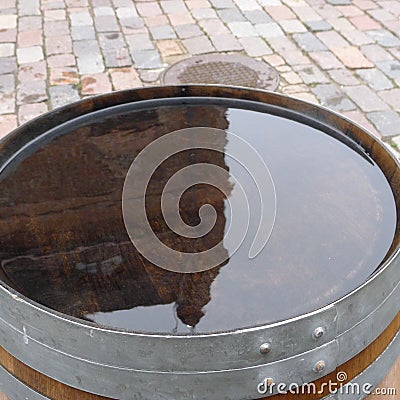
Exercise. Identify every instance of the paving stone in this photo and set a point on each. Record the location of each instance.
(339, 2)
(350, 11)
(139, 42)
(55, 15)
(231, 15)
(26, 112)
(31, 92)
(129, 25)
(359, 118)
(7, 103)
(28, 7)
(375, 79)
(195, 4)
(106, 23)
(365, 4)
(255, 46)
(158, 20)
(279, 13)
(7, 49)
(341, 24)
(61, 60)
(150, 75)
(387, 122)
(181, 19)
(147, 59)
(384, 38)
(375, 53)
(242, 29)
(162, 32)
(306, 96)
(332, 39)
(8, 21)
(96, 84)
(62, 95)
(89, 57)
(294, 57)
(326, 60)
(220, 4)
(309, 42)
(213, 27)
(274, 60)
(306, 13)
(30, 38)
(198, 45)
(270, 30)
(169, 48)
(127, 11)
(356, 37)
(331, 97)
(188, 31)
(247, 5)
(204, 13)
(148, 9)
(365, 98)
(365, 23)
(392, 97)
(292, 26)
(29, 54)
(7, 35)
(257, 17)
(29, 23)
(103, 11)
(7, 124)
(352, 57)
(318, 26)
(390, 68)
(311, 74)
(83, 32)
(292, 78)
(56, 28)
(293, 89)
(7, 83)
(117, 57)
(125, 78)
(58, 45)
(226, 42)
(173, 6)
(81, 19)
(282, 44)
(381, 15)
(8, 65)
(64, 76)
(32, 71)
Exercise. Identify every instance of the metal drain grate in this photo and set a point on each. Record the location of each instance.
(222, 69)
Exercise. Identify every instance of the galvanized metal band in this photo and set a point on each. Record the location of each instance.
(15, 389)
(375, 373)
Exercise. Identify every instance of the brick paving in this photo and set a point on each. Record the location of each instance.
(339, 53)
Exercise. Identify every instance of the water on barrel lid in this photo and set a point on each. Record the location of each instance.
(65, 246)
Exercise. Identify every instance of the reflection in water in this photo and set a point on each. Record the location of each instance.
(64, 244)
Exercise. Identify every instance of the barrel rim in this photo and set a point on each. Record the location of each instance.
(92, 101)
(341, 319)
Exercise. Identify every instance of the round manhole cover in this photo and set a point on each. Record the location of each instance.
(222, 69)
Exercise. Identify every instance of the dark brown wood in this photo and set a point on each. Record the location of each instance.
(57, 391)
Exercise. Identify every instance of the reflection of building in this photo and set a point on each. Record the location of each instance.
(63, 241)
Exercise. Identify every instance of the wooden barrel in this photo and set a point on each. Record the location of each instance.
(199, 242)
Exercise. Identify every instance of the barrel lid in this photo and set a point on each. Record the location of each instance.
(70, 241)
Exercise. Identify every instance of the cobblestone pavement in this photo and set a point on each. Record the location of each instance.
(340, 53)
